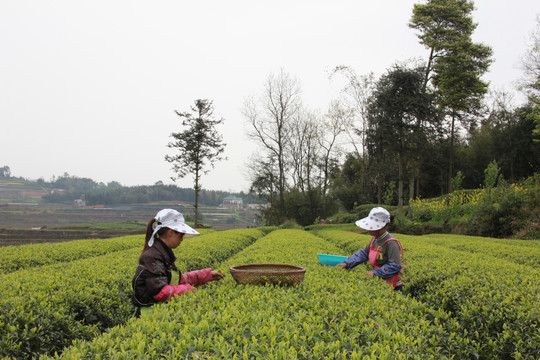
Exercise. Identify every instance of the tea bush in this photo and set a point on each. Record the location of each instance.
(13, 258)
(465, 297)
(333, 314)
(488, 285)
(45, 308)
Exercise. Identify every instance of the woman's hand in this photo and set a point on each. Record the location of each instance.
(369, 273)
(217, 275)
(342, 265)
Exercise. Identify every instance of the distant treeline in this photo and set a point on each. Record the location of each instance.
(65, 189)
(136, 195)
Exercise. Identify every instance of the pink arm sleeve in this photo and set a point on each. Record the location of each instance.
(169, 291)
(187, 281)
(197, 277)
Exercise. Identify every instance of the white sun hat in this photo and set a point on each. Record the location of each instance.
(377, 219)
(172, 219)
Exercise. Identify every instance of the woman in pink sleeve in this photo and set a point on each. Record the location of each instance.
(157, 278)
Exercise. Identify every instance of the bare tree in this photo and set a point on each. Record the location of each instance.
(338, 119)
(270, 118)
(303, 150)
(531, 84)
(530, 63)
(357, 90)
(262, 171)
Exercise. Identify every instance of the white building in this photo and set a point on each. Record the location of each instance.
(232, 202)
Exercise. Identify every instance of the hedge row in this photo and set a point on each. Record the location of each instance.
(333, 314)
(490, 287)
(523, 252)
(45, 308)
(13, 258)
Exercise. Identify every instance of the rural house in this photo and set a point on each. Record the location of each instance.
(232, 202)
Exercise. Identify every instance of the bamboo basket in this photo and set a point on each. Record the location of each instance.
(260, 274)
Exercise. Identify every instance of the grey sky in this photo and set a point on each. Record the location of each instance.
(90, 87)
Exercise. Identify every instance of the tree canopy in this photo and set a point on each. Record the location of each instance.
(197, 146)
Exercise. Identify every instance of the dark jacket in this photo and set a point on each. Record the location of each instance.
(153, 273)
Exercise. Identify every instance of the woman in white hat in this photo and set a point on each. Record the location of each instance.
(157, 279)
(384, 252)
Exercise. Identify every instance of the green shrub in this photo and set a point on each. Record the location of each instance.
(342, 218)
(45, 308)
(331, 315)
(290, 224)
(491, 292)
(13, 258)
(496, 213)
(508, 210)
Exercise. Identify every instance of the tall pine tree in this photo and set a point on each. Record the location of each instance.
(455, 63)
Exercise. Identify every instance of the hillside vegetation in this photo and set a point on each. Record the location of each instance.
(502, 209)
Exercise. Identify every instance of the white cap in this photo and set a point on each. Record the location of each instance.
(172, 219)
(377, 219)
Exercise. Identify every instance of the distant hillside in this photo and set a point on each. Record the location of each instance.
(13, 190)
(67, 189)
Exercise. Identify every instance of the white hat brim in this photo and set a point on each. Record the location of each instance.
(370, 224)
(184, 228)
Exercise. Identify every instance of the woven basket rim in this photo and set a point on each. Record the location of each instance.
(248, 268)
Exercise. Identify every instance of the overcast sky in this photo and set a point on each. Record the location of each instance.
(90, 87)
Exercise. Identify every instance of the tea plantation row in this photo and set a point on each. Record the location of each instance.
(490, 286)
(333, 314)
(465, 298)
(44, 308)
(13, 258)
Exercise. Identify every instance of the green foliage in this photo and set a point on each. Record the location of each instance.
(74, 183)
(46, 307)
(389, 193)
(196, 147)
(457, 181)
(141, 194)
(503, 211)
(492, 175)
(487, 285)
(465, 297)
(5, 171)
(400, 114)
(13, 258)
(505, 136)
(445, 27)
(498, 213)
(351, 186)
(304, 208)
(329, 316)
(199, 144)
(290, 224)
(455, 64)
(337, 226)
(343, 218)
(444, 208)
